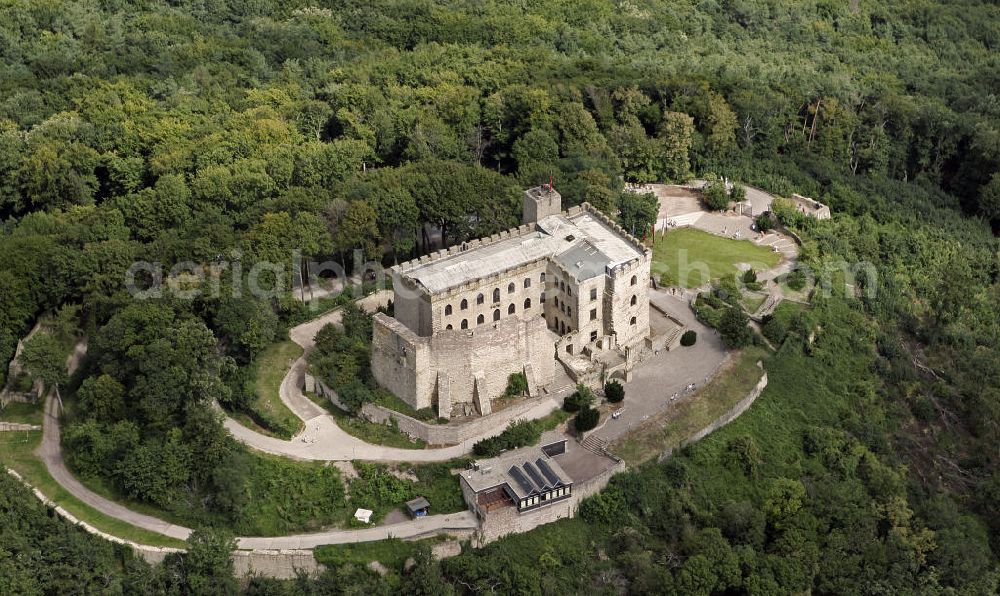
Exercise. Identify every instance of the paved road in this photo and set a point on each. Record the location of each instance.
(656, 380)
(51, 454)
(321, 438)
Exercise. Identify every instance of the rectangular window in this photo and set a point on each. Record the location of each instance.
(593, 314)
(593, 293)
(593, 336)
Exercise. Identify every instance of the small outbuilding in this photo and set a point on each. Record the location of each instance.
(418, 507)
(363, 515)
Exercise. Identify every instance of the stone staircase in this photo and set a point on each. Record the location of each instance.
(688, 219)
(767, 307)
(596, 444)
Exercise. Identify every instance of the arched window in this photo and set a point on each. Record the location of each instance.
(527, 303)
(480, 320)
(480, 299)
(465, 323)
(449, 327)
(510, 288)
(632, 321)
(527, 282)
(541, 278)
(496, 295)
(633, 300)
(635, 280)
(562, 285)
(464, 305)
(447, 309)
(510, 309)
(569, 312)
(496, 315)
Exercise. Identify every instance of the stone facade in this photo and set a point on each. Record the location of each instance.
(468, 317)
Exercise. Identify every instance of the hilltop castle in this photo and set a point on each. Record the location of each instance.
(566, 288)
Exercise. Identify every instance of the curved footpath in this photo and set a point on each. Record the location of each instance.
(322, 438)
(51, 454)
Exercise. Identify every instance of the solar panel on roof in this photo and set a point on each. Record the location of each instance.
(535, 475)
(521, 479)
(546, 469)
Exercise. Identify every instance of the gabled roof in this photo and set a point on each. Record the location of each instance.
(523, 472)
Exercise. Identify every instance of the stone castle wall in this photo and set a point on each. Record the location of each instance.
(459, 362)
(454, 434)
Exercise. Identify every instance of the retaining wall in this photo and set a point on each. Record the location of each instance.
(732, 414)
(443, 434)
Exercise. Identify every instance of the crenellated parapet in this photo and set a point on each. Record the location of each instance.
(466, 246)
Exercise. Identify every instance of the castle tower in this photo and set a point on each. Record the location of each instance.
(541, 202)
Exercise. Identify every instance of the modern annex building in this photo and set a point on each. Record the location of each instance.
(566, 288)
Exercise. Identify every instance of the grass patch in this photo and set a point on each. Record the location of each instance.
(670, 428)
(392, 552)
(17, 452)
(382, 489)
(24, 413)
(691, 258)
(377, 434)
(752, 302)
(270, 369)
(369, 432)
(389, 400)
(437, 483)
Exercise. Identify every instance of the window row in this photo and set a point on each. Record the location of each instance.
(511, 309)
(481, 298)
(549, 496)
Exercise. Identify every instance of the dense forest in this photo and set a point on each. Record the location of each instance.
(197, 131)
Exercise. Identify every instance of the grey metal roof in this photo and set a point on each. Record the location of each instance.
(580, 237)
(418, 504)
(583, 260)
(524, 472)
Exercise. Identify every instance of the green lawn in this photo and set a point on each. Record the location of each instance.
(680, 421)
(691, 258)
(752, 302)
(21, 412)
(271, 366)
(17, 452)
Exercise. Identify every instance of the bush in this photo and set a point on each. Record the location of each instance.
(614, 391)
(749, 276)
(520, 433)
(425, 414)
(517, 384)
(774, 329)
(733, 329)
(690, 336)
(796, 279)
(716, 197)
(587, 419)
(581, 398)
(737, 192)
(764, 221)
